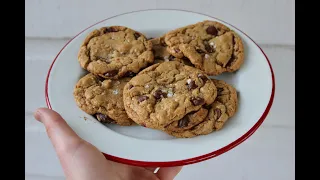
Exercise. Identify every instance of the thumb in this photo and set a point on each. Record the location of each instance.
(63, 138)
(79, 159)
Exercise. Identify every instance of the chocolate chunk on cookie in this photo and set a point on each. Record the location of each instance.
(166, 92)
(188, 121)
(114, 52)
(210, 118)
(210, 46)
(102, 99)
(161, 53)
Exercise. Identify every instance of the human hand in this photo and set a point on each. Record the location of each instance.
(82, 161)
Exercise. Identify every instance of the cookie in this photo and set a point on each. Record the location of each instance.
(114, 52)
(102, 98)
(161, 53)
(166, 92)
(210, 118)
(188, 121)
(210, 46)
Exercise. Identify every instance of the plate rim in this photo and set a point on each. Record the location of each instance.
(189, 160)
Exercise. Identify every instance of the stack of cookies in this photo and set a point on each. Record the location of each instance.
(160, 83)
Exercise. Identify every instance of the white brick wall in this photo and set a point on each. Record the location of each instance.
(268, 154)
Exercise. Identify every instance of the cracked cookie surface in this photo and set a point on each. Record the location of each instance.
(210, 46)
(210, 118)
(114, 52)
(166, 92)
(161, 53)
(102, 98)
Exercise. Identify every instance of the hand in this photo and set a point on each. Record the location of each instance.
(82, 161)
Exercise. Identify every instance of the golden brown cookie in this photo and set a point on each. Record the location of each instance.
(210, 46)
(114, 52)
(210, 118)
(164, 93)
(102, 98)
(161, 54)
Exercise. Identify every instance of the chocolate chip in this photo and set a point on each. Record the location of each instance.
(150, 38)
(111, 73)
(153, 51)
(230, 62)
(197, 101)
(183, 122)
(200, 51)
(218, 113)
(185, 58)
(207, 106)
(100, 78)
(129, 74)
(110, 29)
(136, 35)
(159, 57)
(219, 90)
(176, 50)
(203, 77)
(143, 124)
(212, 30)
(191, 85)
(142, 98)
(171, 58)
(104, 118)
(158, 94)
(208, 48)
(162, 43)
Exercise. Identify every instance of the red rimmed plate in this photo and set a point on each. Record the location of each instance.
(148, 147)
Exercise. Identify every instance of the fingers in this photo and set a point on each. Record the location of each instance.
(63, 138)
(168, 173)
(79, 159)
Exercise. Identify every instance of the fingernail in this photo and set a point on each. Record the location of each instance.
(37, 115)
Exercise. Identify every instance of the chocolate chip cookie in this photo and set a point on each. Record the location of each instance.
(164, 93)
(114, 52)
(102, 98)
(161, 54)
(209, 118)
(210, 46)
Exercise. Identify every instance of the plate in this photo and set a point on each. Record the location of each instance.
(148, 147)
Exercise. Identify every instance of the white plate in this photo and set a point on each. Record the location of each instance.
(147, 147)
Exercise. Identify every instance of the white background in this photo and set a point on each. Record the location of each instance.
(267, 154)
